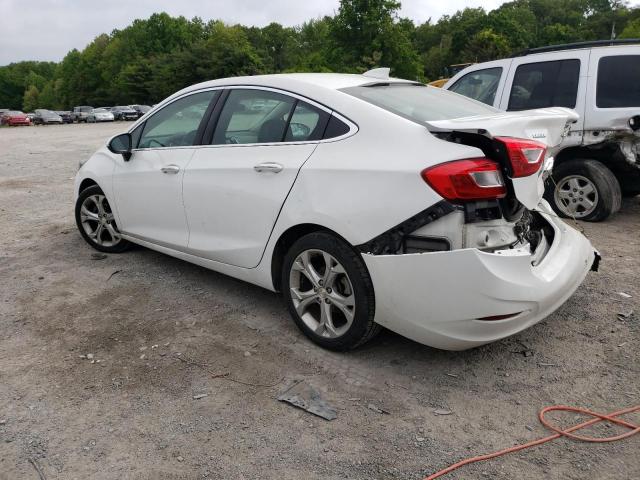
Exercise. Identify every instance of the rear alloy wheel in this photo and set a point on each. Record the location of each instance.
(329, 292)
(584, 189)
(96, 222)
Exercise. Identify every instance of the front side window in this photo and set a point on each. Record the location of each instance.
(618, 84)
(480, 85)
(545, 84)
(418, 102)
(176, 125)
(254, 116)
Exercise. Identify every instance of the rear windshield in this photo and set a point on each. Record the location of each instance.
(420, 103)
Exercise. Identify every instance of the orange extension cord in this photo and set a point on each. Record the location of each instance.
(559, 433)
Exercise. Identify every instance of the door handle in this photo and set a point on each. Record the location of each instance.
(268, 167)
(170, 169)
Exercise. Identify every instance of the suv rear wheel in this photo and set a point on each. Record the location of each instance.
(584, 189)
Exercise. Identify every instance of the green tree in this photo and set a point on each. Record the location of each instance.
(368, 34)
(486, 45)
(31, 98)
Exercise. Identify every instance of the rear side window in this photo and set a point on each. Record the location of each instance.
(545, 84)
(480, 85)
(335, 128)
(307, 123)
(618, 83)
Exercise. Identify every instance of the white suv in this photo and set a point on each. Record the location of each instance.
(599, 160)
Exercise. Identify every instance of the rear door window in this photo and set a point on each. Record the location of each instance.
(545, 84)
(252, 116)
(618, 84)
(480, 85)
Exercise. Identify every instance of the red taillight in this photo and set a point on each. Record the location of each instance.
(469, 179)
(526, 156)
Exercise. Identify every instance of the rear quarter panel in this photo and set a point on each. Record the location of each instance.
(367, 183)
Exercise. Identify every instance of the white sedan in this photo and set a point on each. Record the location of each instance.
(100, 115)
(367, 201)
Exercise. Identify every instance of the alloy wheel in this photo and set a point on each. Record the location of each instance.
(98, 221)
(322, 293)
(576, 196)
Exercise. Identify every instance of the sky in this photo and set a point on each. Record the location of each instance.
(48, 29)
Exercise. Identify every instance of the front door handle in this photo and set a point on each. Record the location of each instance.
(268, 167)
(170, 169)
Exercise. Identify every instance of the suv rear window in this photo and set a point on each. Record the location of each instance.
(418, 102)
(618, 84)
(545, 84)
(480, 85)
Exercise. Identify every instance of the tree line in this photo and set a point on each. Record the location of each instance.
(152, 58)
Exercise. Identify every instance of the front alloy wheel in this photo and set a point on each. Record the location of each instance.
(96, 221)
(329, 292)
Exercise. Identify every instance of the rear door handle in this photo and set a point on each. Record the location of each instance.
(170, 169)
(268, 167)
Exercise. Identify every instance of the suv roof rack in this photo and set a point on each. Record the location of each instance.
(576, 45)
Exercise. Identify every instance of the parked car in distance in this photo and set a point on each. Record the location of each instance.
(456, 248)
(124, 113)
(66, 116)
(599, 160)
(2, 112)
(81, 113)
(14, 118)
(100, 115)
(46, 117)
(141, 109)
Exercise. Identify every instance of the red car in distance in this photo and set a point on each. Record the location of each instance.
(14, 118)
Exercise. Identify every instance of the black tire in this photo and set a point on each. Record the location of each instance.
(362, 328)
(609, 195)
(92, 191)
(630, 192)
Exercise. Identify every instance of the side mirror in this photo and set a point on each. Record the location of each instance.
(122, 145)
(634, 123)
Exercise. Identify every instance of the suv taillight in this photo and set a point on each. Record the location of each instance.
(526, 156)
(468, 179)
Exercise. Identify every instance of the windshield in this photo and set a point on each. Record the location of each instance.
(100, 110)
(14, 112)
(420, 103)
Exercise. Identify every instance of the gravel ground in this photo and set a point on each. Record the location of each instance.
(131, 412)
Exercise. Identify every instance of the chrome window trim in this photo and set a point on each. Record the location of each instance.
(353, 127)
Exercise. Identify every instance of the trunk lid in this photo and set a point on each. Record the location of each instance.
(547, 126)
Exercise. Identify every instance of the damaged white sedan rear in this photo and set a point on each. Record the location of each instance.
(367, 201)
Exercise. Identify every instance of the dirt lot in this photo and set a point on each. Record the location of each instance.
(131, 413)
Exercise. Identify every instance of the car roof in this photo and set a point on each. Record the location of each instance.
(630, 42)
(331, 81)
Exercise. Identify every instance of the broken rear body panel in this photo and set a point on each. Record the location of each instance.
(437, 298)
